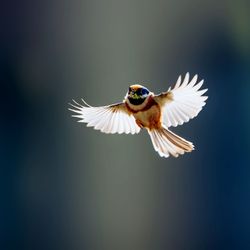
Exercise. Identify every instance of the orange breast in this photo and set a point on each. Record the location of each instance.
(150, 118)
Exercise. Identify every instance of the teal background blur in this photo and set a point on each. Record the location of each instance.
(65, 186)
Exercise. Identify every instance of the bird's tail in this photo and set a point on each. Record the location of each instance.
(166, 142)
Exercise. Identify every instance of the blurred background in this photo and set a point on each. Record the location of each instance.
(65, 186)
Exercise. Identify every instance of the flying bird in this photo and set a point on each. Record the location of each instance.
(141, 108)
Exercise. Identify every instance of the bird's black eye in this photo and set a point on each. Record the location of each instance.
(129, 89)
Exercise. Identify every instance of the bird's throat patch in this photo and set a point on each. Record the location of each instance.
(136, 101)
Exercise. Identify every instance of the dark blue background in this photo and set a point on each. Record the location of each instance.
(64, 186)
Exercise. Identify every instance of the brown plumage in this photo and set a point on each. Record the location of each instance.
(143, 109)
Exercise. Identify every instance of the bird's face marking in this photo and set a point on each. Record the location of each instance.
(137, 94)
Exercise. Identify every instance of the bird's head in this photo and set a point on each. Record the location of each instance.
(137, 94)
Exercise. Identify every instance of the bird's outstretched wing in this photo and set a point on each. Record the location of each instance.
(183, 102)
(110, 119)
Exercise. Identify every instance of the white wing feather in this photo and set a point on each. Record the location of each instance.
(183, 102)
(108, 119)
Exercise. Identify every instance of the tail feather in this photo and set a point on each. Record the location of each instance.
(167, 143)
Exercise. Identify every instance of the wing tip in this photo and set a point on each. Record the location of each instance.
(79, 105)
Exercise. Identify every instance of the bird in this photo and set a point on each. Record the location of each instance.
(142, 109)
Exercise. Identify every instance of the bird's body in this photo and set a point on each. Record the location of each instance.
(148, 114)
(143, 109)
